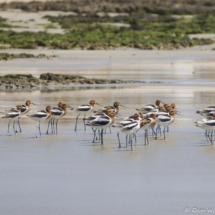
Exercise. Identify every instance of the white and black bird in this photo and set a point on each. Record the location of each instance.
(13, 115)
(41, 116)
(165, 120)
(84, 109)
(102, 122)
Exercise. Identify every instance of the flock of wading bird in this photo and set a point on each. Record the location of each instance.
(208, 123)
(146, 118)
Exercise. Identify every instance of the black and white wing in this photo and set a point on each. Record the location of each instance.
(13, 113)
(56, 111)
(84, 108)
(100, 121)
(164, 118)
(131, 125)
(40, 114)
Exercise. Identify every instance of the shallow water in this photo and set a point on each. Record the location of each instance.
(67, 174)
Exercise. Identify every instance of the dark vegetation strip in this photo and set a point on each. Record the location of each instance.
(128, 6)
(145, 32)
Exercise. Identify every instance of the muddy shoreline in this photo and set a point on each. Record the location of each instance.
(29, 82)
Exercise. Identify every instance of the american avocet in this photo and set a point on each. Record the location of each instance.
(136, 117)
(208, 125)
(40, 116)
(151, 122)
(150, 107)
(95, 116)
(59, 112)
(115, 107)
(103, 122)
(206, 110)
(51, 120)
(84, 109)
(13, 115)
(131, 129)
(25, 110)
(165, 120)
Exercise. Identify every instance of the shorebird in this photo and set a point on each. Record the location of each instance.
(40, 116)
(59, 112)
(151, 122)
(115, 107)
(53, 110)
(95, 116)
(102, 122)
(25, 110)
(13, 115)
(131, 129)
(150, 107)
(207, 125)
(206, 110)
(165, 120)
(84, 109)
(136, 117)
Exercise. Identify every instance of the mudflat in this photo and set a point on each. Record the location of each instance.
(68, 174)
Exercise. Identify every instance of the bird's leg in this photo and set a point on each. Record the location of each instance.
(102, 136)
(156, 133)
(164, 132)
(135, 138)
(39, 128)
(48, 126)
(167, 128)
(132, 147)
(56, 125)
(99, 134)
(147, 136)
(153, 131)
(144, 137)
(126, 140)
(14, 127)
(206, 135)
(110, 130)
(8, 126)
(53, 125)
(119, 141)
(76, 122)
(84, 122)
(211, 138)
(160, 130)
(20, 130)
(94, 131)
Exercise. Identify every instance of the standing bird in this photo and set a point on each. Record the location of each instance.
(13, 115)
(115, 107)
(151, 122)
(95, 116)
(52, 119)
(103, 122)
(131, 129)
(40, 116)
(150, 107)
(136, 117)
(84, 109)
(57, 113)
(165, 120)
(25, 109)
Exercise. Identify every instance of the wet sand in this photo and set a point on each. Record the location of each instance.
(67, 174)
